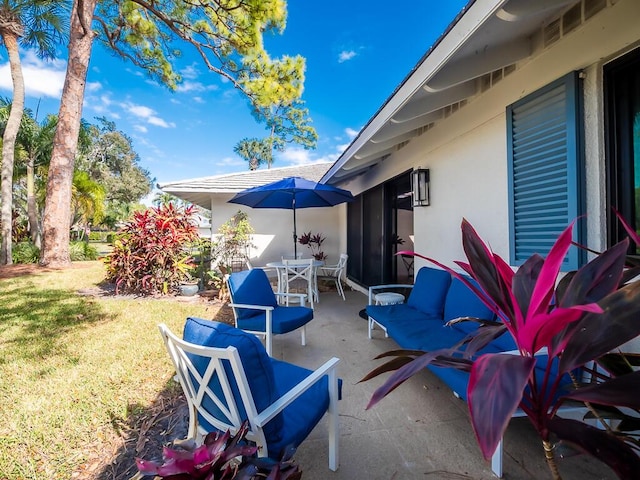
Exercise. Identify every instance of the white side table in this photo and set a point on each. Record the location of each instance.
(388, 298)
(384, 298)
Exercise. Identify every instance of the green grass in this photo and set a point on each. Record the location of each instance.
(75, 369)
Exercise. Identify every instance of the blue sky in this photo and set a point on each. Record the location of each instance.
(357, 52)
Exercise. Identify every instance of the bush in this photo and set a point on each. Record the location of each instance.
(25, 252)
(81, 251)
(151, 253)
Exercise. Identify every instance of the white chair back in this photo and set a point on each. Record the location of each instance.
(300, 271)
(197, 390)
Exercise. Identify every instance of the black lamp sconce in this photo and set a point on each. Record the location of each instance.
(420, 187)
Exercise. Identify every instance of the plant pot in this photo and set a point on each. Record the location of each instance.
(188, 289)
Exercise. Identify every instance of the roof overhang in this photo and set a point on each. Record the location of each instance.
(486, 38)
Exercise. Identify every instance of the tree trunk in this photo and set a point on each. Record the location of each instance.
(57, 210)
(32, 211)
(9, 144)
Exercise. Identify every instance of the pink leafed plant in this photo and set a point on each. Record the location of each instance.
(576, 321)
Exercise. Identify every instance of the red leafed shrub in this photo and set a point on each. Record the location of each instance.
(151, 254)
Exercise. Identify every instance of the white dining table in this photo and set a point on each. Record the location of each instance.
(282, 269)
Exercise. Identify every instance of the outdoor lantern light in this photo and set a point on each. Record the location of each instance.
(420, 183)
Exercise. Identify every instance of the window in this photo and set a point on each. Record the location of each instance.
(545, 155)
(622, 104)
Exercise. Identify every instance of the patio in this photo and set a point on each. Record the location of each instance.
(419, 431)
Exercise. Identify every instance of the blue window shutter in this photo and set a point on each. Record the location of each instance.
(545, 157)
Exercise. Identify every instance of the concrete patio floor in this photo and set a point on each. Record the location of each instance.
(419, 431)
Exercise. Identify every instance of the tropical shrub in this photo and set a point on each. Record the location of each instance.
(151, 254)
(233, 242)
(220, 457)
(581, 320)
(25, 252)
(81, 251)
(314, 242)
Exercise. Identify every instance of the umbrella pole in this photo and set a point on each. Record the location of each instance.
(295, 237)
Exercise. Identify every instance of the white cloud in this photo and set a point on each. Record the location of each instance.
(351, 133)
(148, 114)
(198, 99)
(140, 110)
(300, 156)
(40, 78)
(159, 122)
(140, 128)
(230, 161)
(190, 72)
(189, 86)
(93, 86)
(346, 55)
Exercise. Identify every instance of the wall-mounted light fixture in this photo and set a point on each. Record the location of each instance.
(420, 187)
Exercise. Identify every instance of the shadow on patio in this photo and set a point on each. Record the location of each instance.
(419, 431)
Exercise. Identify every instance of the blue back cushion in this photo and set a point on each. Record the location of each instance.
(429, 291)
(251, 287)
(462, 302)
(255, 361)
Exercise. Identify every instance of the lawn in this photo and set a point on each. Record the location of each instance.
(82, 376)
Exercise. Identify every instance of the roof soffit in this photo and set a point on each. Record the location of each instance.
(490, 35)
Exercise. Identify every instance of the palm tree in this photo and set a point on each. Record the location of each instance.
(87, 201)
(255, 151)
(37, 141)
(38, 24)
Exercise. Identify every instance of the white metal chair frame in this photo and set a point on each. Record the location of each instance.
(334, 273)
(268, 334)
(187, 373)
(300, 270)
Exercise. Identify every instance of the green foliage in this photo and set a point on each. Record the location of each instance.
(103, 237)
(227, 35)
(255, 151)
(152, 252)
(25, 252)
(82, 251)
(110, 160)
(233, 241)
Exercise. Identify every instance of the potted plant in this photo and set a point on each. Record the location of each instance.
(580, 320)
(314, 242)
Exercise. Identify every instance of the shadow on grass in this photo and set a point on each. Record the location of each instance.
(145, 430)
(38, 318)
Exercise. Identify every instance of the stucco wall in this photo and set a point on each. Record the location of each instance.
(466, 153)
(274, 229)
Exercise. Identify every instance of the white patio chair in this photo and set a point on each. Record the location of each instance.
(334, 273)
(227, 378)
(300, 271)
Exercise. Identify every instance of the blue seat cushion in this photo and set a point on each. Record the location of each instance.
(429, 291)
(251, 287)
(388, 315)
(255, 361)
(283, 319)
(302, 415)
(463, 302)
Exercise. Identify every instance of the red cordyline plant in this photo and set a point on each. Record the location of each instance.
(314, 242)
(150, 254)
(576, 322)
(220, 457)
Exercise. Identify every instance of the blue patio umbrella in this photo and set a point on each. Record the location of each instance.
(292, 193)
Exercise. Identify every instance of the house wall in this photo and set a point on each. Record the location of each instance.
(466, 153)
(274, 229)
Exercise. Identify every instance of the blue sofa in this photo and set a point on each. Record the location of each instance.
(420, 323)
